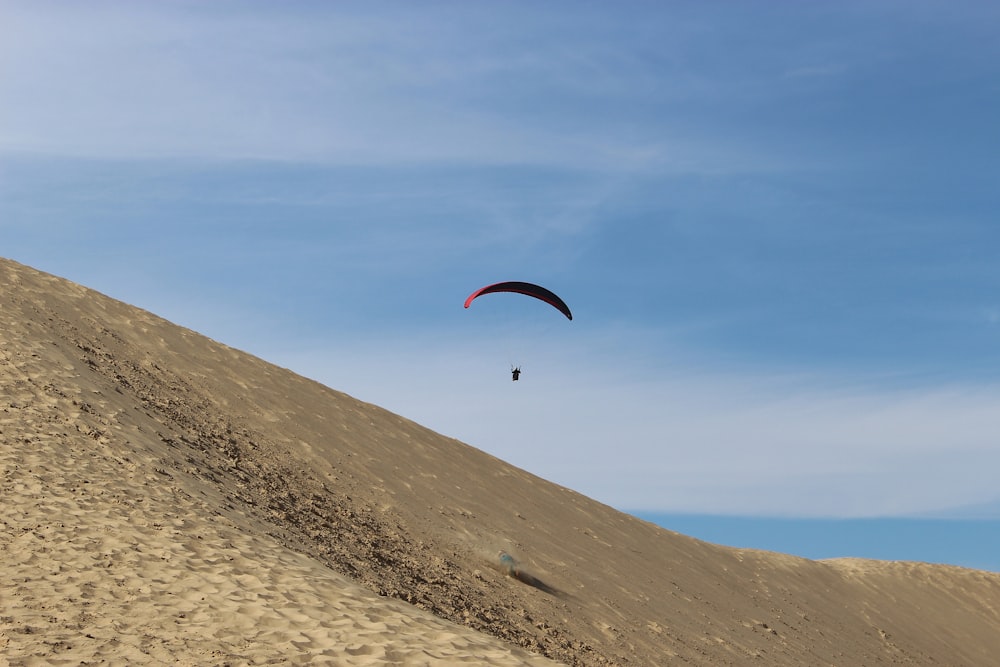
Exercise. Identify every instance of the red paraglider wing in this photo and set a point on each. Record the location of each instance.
(527, 289)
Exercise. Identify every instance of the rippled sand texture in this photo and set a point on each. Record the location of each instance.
(101, 560)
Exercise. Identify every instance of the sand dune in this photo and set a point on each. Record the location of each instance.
(171, 500)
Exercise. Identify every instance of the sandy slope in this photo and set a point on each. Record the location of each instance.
(168, 499)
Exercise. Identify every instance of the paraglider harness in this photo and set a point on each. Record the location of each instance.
(515, 372)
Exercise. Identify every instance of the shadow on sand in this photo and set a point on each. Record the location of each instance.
(512, 569)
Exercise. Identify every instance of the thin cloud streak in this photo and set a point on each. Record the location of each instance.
(330, 84)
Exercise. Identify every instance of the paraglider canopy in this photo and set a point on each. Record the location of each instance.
(528, 289)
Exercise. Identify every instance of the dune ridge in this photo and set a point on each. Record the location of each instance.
(171, 500)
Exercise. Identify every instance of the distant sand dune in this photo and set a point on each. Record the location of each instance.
(170, 500)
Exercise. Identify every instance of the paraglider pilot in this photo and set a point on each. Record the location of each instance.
(515, 373)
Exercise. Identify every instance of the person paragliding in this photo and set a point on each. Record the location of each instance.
(527, 289)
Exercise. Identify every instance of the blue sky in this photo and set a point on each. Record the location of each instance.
(775, 224)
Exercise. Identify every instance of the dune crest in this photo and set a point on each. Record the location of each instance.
(168, 499)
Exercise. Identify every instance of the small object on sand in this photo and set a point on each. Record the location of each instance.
(508, 564)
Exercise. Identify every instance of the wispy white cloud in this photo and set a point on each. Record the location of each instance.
(335, 83)
(140, 80)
